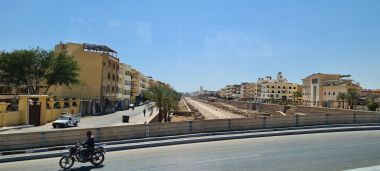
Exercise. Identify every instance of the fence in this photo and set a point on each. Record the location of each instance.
(65, 137)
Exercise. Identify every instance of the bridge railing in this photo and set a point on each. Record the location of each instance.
(66, 137)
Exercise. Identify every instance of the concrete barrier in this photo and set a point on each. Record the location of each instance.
(66, 137)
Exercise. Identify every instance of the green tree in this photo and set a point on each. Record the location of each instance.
(296, 95)
(352, 98)
(165, 98)
(341, 97)
(37, 69)
(372, 102)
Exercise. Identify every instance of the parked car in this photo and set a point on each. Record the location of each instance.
(66, 121)
(141, 103)
(131, 105)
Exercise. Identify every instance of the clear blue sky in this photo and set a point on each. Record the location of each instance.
(189, 43)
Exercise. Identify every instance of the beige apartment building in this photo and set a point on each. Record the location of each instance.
(230, 91)
(277, 89)
(247, 91)
(222, 92)
(99, 74)
(140, 83)
(135, 86)
(124, 86)
(323, 89)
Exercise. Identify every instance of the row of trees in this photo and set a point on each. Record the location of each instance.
(37, 70)
(352, 97)
(166, 99)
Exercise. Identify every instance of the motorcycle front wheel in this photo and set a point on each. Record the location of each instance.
(66, 162)
(97, 159)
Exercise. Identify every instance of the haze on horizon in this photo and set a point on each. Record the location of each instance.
(210, 42)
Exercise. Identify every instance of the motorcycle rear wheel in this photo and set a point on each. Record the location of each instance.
(66, 162)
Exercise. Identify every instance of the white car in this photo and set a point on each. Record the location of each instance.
(66, 121)
(131, 105)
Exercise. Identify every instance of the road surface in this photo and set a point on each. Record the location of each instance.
(322, 152)
(211, 112)
(136, 117)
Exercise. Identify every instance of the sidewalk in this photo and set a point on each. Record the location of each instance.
(188, 138)
(7, 128)
(136, 117)
(140, 118)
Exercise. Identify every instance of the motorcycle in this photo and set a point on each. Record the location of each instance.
(96, 157)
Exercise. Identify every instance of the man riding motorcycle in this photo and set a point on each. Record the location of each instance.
(88, 146)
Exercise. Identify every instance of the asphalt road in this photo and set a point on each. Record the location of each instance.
(325, 151)
(136, 117)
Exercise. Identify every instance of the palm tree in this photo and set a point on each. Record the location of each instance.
(170, 102)
(296, 95)
(165, 98)
(352, 97)
(341, 97)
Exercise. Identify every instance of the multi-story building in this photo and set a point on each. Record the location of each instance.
(247, 91)
(99, 70)
(144, 83)
(323, 89)
(367, 92)
(222, 93)
(135, 86)
(257, 95)
(233, 91)
(277, 89)
(124, 86)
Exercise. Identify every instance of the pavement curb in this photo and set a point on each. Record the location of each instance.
(197, 139)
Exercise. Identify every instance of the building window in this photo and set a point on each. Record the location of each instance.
(279, 87)
(334, 93)
(272, 91)
(325, 93)
(278, 92)
(329, 94)
(109, 76)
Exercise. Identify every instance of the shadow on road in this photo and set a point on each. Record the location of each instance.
(83, 168)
